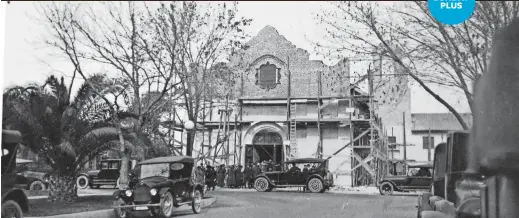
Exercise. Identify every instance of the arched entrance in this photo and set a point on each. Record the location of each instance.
(266, 145)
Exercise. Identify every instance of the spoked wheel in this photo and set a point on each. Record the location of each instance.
(37, 186)
(315, 185)
(82, 182)
(120, 212)
(386, 188)
(11, 209)
(166, 204)
(261, 184)
(196, 205)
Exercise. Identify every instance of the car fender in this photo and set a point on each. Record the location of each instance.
(314, 176)
(163, 191)
(19, 196)
(264, 176)
(117, 194)
(391, 182)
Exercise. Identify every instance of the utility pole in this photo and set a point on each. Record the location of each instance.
(429, 145)
(405, 145)
(319, 130)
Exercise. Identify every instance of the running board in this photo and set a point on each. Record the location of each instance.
(288, 186)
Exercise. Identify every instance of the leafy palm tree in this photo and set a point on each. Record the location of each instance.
(67, 132)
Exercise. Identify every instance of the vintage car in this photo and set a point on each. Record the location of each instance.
(162, 184)
(30, 179)
(14, 201)
(449, 186)
(419, 177)
(316, 180)
(106, 174)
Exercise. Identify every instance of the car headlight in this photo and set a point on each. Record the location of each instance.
(128, 193)
(153, 192)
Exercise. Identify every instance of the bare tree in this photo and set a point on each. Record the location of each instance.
(117, 36)
(426, 50)
(207, 34)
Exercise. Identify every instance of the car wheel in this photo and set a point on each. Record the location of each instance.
(261, 184)
(315, 185)
(166, 204)
(386, 188)
(196, 205)
(37, 186)
(82, 182)
(11, 209)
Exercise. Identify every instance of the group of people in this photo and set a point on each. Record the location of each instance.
(242, 177)
(237, 176)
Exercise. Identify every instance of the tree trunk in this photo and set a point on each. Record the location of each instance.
(125, 161)
(62, 189)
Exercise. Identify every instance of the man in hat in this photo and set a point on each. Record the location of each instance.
(306, 173)
(239, 176)
(221, 176)
(210, 178)
(247, 172)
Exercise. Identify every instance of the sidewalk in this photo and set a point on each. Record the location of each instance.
(110, 213)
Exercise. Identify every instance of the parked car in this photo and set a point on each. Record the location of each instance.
(162, 184)
(14, 200)
(450, 161)
(106, 174)
(29, 179)
(316, 180)
(419, 177)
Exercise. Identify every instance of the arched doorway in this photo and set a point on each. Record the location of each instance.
(266, 145)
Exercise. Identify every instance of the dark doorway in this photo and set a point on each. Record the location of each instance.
(266, 145)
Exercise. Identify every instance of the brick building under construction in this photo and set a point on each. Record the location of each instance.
(292, 107)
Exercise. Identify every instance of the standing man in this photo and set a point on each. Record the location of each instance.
(239, 176)
(221, 176)
(210, 177)
(306, 172)
(270, 165)
(248, 175)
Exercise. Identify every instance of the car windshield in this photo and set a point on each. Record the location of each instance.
(149, 170)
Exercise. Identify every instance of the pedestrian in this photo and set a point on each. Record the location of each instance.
(264, 166)
(270, 165)
(210, 178)
(231, 177)
(221, 176)
(306, 173)
(239, 176)
(247, 173)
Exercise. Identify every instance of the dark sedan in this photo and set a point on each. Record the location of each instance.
(419, 177)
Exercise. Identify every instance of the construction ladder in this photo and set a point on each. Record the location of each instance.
(293, 131)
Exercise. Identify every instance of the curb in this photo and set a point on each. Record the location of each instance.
(109, 213)
(80, 195)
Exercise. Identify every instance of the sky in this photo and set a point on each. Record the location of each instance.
(26, 60)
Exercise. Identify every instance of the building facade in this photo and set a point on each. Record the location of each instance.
(276, 115)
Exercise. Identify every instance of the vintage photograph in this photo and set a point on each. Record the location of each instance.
(282, 109)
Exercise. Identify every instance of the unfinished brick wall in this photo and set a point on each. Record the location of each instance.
(269, 46)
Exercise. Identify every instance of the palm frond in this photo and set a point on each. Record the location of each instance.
(67, 148)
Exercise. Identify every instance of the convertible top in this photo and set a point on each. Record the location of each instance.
(170, 159)
(306, 160)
